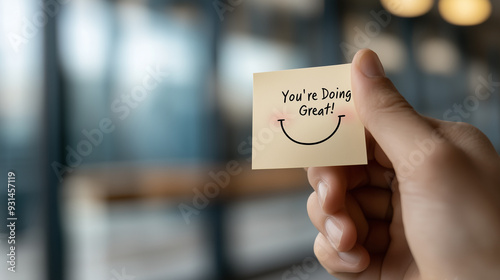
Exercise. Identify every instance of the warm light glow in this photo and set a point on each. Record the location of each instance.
(438, 56)
(407, 8)
(465, 12)
(391, 51)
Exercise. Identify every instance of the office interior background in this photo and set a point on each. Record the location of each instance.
(118, 116)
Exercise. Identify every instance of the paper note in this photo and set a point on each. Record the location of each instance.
(306, 117)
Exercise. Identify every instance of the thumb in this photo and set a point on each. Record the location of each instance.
(390, 119)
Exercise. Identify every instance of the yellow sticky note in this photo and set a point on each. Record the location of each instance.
(306, 117)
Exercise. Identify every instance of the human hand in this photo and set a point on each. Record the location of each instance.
(427, 205)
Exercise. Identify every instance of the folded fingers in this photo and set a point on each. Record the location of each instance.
(339, 229)
(353, 261)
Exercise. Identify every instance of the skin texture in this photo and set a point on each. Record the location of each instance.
(427, 205)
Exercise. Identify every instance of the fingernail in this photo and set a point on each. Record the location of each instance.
(370, 65)
(322, 190)
(349, 257)
(334, 231)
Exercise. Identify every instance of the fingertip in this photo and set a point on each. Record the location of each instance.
(330, 183)
(322, 247)
(322, 190)
(368, 63)
(354, 261)
(341, 231)
(357, 56)
(335, 231)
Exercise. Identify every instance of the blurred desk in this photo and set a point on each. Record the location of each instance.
(136, 182)
(93, 192)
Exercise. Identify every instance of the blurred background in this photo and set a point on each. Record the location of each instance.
(128, 124)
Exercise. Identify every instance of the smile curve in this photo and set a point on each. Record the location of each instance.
(310, 143)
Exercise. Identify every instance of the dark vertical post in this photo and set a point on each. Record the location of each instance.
(494, 66)
(332, 35)
(414, 85)
(216, 123)
(54, 142)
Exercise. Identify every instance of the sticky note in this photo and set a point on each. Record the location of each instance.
(306, 117)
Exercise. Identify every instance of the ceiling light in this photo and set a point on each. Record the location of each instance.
(465, 12)
(408, 8)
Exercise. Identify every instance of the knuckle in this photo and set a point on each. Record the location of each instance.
(390, 103)
(467, 136)
(465, 128)
(443, 155)
(459, 130)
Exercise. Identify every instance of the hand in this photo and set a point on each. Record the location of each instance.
(427, 205)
